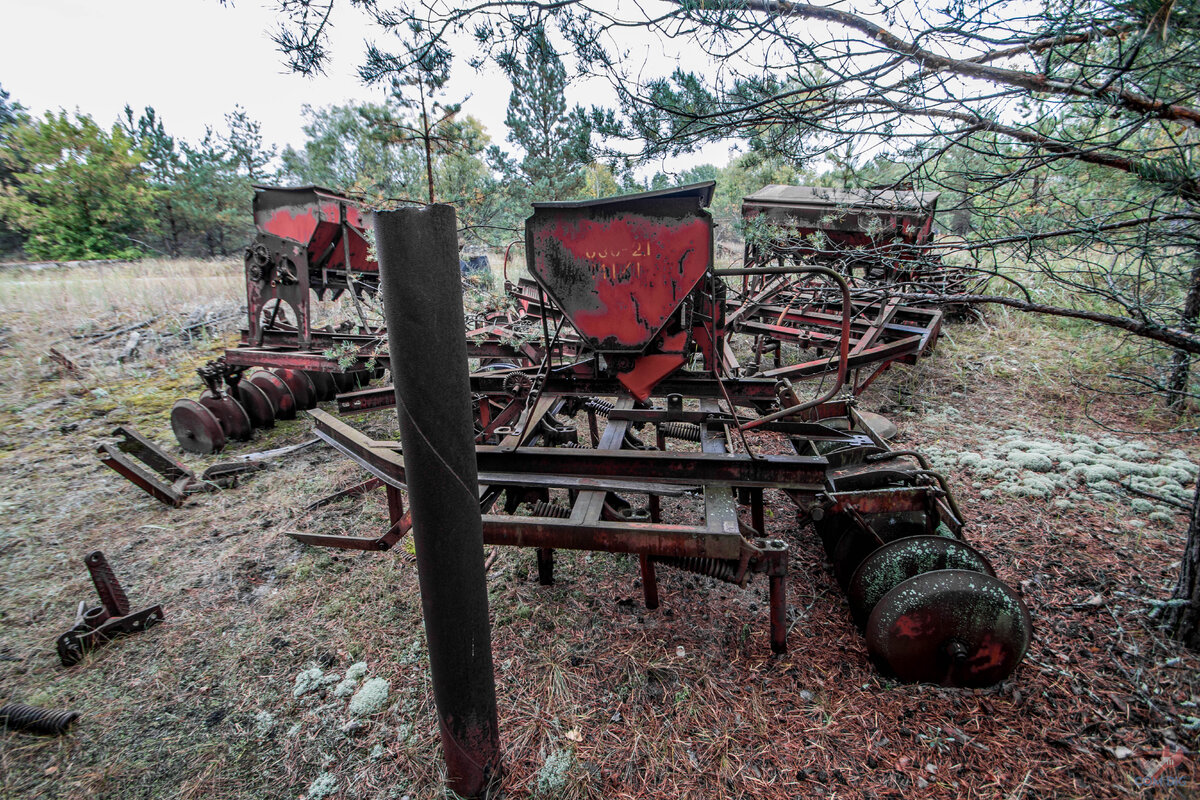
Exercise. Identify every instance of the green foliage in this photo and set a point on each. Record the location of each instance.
(77, 190)
(344, 151)
(553, 140)
(418, 111)
(244, 146)
(213, 198)
(11, 113)
(202, 192)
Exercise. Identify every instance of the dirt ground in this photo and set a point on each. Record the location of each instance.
(598, 697)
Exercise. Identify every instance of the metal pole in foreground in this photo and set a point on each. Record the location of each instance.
(422, 300)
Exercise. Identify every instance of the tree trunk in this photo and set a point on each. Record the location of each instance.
(960, 216)
(1181, 362)
(1182, 614)
(427, 135)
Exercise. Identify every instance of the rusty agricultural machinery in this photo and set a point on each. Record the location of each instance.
(875, 237)
(654, 378)
(310, 242)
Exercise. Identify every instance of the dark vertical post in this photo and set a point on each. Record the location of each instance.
(422, 297)
(649, 580)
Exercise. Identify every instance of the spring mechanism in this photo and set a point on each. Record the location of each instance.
(719, 568)
(20, 717)
(543, 509)
(600, 406)
(687, 431)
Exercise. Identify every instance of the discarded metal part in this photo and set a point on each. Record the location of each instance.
(401, 521)
(151, 469)
(901, 559)
(98, 625)
(424, 306)
(64, 362)
(31, 719)
(157, 474)
(278, 452)
(951, 627)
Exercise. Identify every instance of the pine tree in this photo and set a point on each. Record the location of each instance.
(553, 141)
(11, 113)
(419, 111)
(163, 164)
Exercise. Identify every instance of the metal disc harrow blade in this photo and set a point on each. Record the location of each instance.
(854, 544)
(234, 420)
(899, 560)
(282, 400)
(197, 430)
(257, 405)
(952, 627)
(301, 386)
(323, 383)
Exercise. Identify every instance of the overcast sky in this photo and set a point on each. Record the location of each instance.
(194, 60)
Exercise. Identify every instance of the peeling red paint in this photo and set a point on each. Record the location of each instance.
(620, 279)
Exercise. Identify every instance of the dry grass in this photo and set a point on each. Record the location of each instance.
(586, 678)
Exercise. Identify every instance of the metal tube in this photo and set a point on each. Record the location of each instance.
(843, 348)
(422, 296)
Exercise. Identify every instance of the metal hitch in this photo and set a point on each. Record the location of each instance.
(98, 625)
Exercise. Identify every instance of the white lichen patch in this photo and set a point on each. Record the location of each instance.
(1076, 469)
(349, 683)
(553, 776)
(307, 681)
(322, 787)
(371, 698)
(264, 723)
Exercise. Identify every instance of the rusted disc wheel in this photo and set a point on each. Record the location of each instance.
(323, 383)
(953, 627)
(302, 388)
(196, 428)
(277, 392)
(257, 405)
(897, 561)
(854, 544)
(229, 412)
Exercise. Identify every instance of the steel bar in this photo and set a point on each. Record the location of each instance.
(422, 293)
(570, 467)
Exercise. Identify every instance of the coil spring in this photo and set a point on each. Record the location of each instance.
(18, 716)
(543, 509)
(719, 568)
(687, 431)
(600, 406)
